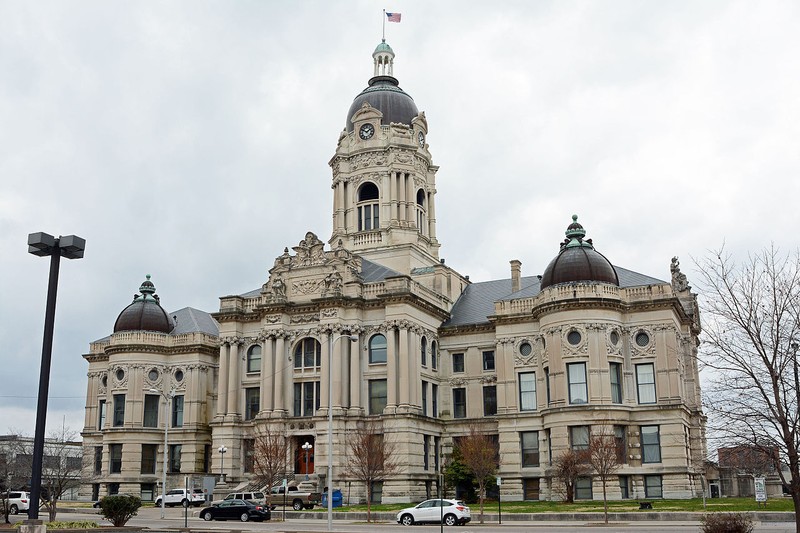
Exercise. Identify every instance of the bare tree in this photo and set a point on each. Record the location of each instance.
(372, 457)
(567, 468)
(604, 455)
(61, 466)
(752, 336)
(270, 448)
(480, 454)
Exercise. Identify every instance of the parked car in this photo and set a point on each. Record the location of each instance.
(295, 498)
(256, 497)
(18, 501)
(194, 497)
(451, 512)
(235, 510)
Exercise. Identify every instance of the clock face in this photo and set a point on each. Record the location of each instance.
(366, 131)
(421, 139)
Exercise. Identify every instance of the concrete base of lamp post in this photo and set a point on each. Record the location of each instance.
(33, 526)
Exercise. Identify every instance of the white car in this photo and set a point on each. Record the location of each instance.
(195, 497)
(450, 512)
(18, 501)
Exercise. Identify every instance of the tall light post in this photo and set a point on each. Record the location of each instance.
(71, 247)
(222, 450)
(331, 341)
(167, 402)
(307, 448)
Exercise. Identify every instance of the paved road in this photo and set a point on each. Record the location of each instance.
(150, 517)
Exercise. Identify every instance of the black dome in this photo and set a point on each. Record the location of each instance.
(578, 261)
(386, 96)
(145, 313)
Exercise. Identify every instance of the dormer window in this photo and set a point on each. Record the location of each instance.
(368, 207)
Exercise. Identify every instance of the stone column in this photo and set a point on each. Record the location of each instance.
(411, 199)
(336, 361)
(431, 217)
(403, 364)
(222, 382)
(391, 370)
(233, 379)
(504, 363)
(323, 371)
(267, 374)
(355, 375)
(393, 176)
(414, 363)
(283, 371)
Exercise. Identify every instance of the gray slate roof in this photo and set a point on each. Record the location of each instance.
(476, 303)
(191, 320)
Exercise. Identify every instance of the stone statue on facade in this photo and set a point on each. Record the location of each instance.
(679, 281)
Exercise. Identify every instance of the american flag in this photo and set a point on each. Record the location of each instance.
(393, 17)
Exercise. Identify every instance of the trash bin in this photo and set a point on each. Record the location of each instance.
(337, 499)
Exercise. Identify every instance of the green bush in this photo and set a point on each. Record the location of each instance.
(727, 523)
(120, 508)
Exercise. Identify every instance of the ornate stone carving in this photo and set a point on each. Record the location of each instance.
(307, 286)
(329, 313)
(458, 382)
(272, 319)
(332, 284)
(488, 379)
(570, 349)
(305, 319)
(679, 281)
(309, 251)
(368, 160)
(638, 350)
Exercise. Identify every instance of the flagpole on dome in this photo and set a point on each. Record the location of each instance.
(383, 29)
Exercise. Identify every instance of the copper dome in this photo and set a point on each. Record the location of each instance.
(578, 261)
(145, 313)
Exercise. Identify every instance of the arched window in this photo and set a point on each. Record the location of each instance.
(434, 362)
(307, 354)
(422, 225)
(423, 350)
(377, 349)
(368, 207)
(254, 358)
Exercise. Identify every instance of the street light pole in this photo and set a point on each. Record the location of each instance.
(168, 400)
(222, 450)
(331, 341)
(307, 448)
(71, 247)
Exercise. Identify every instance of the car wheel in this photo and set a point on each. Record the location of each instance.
(450, 520)
(207, 517)
(14, 509)
(407, 520)
(297, 505)
(245, 517)
(185, 503)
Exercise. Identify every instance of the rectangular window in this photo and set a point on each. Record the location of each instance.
(252, 402)
(177, 411)
(101, 415)
(576, 374)
(579, 437)
(248, 450)
(175, 458)
(458, 362)
(529, 442)
(435, 401)
(651, 444)
(488, 360)
(377, 396)
(98, 459)
(583, 488)
(425, 451)
(652, 487)
(423, 352)
(547, 383)
(115, 458)
(149, 454)
(434, 355)
(615, 373)
(549, 446)
(424, 398)
(298, 399)
(624, 491)
(530, 489)
(150, 419)
(436, 453)
(119, 410)
(254, 358)
(207, 458)
(376, 491)
(490, 400)
(646, 383)
(460, 403)
(621, 444)
(527, 391)
(147, 491)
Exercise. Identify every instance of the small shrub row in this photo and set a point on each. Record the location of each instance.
(727, 523)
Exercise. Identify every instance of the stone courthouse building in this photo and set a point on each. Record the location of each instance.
(539, 361)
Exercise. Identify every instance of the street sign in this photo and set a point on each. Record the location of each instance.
(761, 489)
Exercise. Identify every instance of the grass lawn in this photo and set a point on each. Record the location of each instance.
(695, 505)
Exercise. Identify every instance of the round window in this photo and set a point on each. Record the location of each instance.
(614, 338)
(574, 337)
(104, 380)
(153, 374)
(120, 374)
(179, 376)
(642, 339)
(525, 349)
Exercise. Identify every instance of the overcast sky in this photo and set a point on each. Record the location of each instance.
(191, 140)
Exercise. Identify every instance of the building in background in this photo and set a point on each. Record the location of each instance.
(539, 361)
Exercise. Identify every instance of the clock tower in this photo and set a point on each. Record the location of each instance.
(384, 179)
